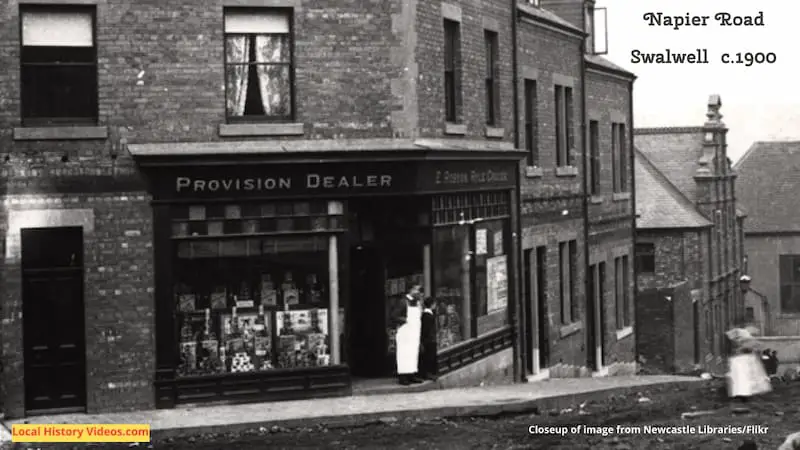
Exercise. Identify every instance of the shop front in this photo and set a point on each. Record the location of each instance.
(275, 279)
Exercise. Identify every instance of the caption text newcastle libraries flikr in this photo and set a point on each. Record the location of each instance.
(647, 429)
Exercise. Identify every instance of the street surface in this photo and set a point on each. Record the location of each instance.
(777, 411)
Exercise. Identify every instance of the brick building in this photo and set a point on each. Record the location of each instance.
(577, 219)
(766, 188)
(206, 200)
(688, 233)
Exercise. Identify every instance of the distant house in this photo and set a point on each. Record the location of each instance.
(688, 243)
(768, 188)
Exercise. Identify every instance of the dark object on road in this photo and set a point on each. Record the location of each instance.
(769, 358)
(748, 445)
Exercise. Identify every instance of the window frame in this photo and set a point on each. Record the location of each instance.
(492, 77)
(290, 13)
(622, 294)
(567, 270)
(789, 263)
(565, 125)
(94, 118)
(595, 164)
(531, 121)
(644, 250)
(619, 154)
(452, 85)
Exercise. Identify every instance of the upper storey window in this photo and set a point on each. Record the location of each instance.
(259, 71)
(59, 66)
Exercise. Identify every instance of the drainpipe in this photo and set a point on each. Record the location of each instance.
(587, 280)
(632, 169)
(520, 350)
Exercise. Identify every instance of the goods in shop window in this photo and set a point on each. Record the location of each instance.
(188, 348)
(219, 298)
(286, 351)
(303, 338)
(266, 365)
(241, 363)
(314, 290)
(244, 299)
(209, 345)
(291, 295)
(269, 295)
(234, 340)
(223, 358)
(261, 341)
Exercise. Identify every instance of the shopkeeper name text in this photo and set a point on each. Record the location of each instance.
(311, 181)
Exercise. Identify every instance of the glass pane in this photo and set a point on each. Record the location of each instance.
(59, 91)
(491, 272)
(180, 229)
(451, 267)
(197, 212)
(215, 211)
(233, 212)
(268, 210)
(275, 87)
(232, 315)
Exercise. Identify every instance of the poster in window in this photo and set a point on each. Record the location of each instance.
(498, 243)
(496, 284)
(481, 241)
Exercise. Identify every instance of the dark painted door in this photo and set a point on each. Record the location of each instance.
(591, 320)
(543, 310)
(368, 345)
(530, 304)
(53, 319)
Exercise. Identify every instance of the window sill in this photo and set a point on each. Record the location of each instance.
(622, 196)
(458, 129)
(625, 332)
(567, 171)
(569, 330)
(64, 133)
(534, 172)
(260, 129)
(597, 199)
(495, 132)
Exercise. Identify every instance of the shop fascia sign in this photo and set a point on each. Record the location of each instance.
(311, 181)
(338, 178)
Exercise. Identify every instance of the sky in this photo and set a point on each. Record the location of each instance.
(760, 102)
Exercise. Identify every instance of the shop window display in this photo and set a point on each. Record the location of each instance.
(252, 304)
(452, 284)
(491, 276)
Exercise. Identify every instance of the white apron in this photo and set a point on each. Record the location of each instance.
(408, 342)
(747, 376)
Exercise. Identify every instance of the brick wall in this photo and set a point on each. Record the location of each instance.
(679, 257)
(762, 263)
(118, 300)
(610, 230)
(666, 342)
(654, 341)
(363, 70)
(476, 17)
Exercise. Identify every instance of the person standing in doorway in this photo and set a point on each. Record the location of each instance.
(408, 337)
(427, 361)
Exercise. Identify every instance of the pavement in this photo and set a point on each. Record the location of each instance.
(363, 409)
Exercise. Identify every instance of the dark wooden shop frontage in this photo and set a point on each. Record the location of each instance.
(275, 274)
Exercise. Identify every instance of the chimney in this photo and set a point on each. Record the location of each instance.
(713, 114)
(584, 15)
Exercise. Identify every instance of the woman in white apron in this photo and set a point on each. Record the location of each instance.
(408, 338)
